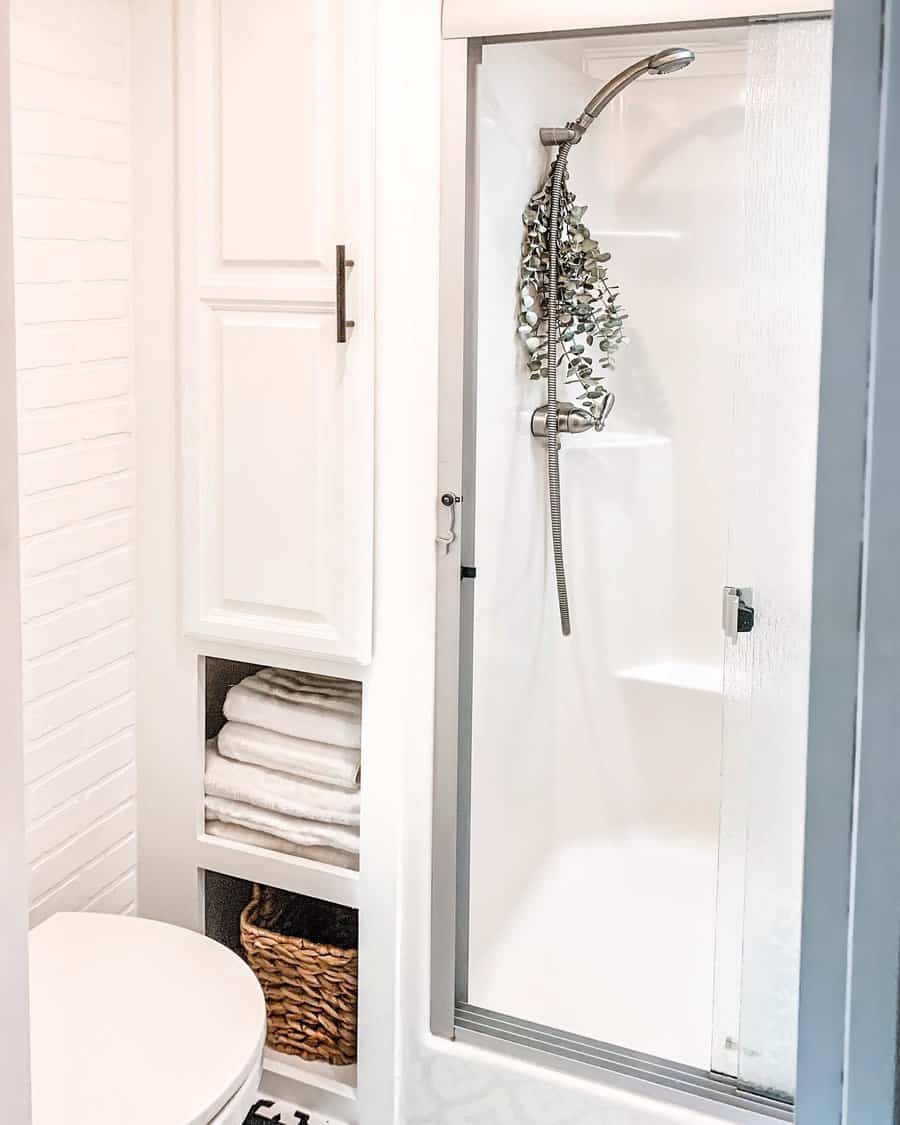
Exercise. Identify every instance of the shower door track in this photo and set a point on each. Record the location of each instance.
(584, 1057)
(663, 27)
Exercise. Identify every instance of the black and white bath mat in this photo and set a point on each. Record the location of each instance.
(267, 1112)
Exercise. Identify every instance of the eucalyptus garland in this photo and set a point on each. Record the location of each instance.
(590, 316)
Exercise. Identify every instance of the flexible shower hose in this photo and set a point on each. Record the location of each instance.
(556, 188)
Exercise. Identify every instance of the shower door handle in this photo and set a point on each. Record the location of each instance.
(737, 611)
(342, 264)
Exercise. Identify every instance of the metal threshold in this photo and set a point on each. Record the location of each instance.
(590, 1058)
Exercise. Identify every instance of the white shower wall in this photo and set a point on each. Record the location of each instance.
(600, 755)
(72, 227)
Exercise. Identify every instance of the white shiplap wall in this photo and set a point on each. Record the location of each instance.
(71, 180)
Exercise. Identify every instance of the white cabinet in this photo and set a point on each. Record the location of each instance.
(274, 121)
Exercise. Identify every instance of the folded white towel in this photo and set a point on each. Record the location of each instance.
(298, 714)
(302, 681)
(335, 765)
(278, 792)
(305, 833)
(249, 836)
(293, 688)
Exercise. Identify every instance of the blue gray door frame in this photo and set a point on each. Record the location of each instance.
(851, 927)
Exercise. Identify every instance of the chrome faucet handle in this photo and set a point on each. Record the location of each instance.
(602, 409)
(571, 419)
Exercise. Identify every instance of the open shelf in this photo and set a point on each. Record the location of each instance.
(292, 780)
(306, 1085)
(337, 1080)
(317, 1086)
(230, 867)
(302, 876)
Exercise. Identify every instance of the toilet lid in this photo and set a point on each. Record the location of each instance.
(137, 1021)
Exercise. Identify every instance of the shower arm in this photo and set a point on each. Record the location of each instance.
(663, 62)
(576, 129)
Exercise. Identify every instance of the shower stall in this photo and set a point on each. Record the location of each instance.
(627, 797)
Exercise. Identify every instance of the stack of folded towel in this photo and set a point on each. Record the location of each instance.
(283, 772)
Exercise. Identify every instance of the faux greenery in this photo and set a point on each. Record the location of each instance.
(590, 316)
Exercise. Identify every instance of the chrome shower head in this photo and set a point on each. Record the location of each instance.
(663, 62)
(671, 60)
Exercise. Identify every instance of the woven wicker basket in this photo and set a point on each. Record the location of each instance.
(304, 955)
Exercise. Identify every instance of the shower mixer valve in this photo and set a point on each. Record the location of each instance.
(574, 419)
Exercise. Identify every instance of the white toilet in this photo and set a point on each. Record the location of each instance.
(142, 1023)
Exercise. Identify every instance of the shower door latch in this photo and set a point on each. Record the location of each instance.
(738, 615)
(449, 500)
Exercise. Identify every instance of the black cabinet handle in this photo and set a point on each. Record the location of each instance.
(343, 263)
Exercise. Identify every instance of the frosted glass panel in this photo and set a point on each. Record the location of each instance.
(771, 544)
(622, 824)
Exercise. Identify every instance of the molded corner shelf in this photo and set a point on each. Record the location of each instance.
(612, 439)
(290, 873)
(706, 678)
(607, 439)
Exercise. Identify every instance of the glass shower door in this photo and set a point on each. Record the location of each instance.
(596, 758)
(776, 394)
(634, 807)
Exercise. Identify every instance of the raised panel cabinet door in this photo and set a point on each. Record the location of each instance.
(275, 170)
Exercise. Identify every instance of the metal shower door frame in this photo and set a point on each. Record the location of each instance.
(452, 1017)
(455, 594)
(850, 948)
(851, 905)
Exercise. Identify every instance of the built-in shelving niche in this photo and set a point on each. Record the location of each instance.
(326, 1089)
(237, 857)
